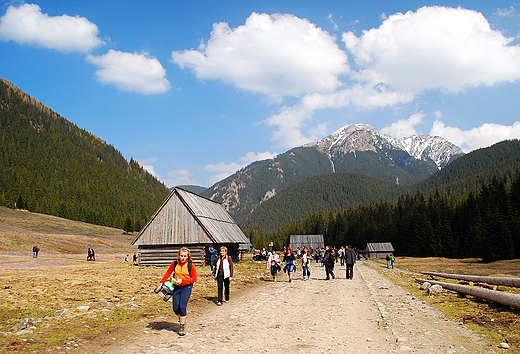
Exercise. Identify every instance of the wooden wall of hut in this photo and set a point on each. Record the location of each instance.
(164, 255)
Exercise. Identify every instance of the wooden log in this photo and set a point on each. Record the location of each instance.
(488, 286)
(514, 282)
(502, 298)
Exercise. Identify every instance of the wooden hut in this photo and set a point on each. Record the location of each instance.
(186, 219)
(379, 250)
(309, 241)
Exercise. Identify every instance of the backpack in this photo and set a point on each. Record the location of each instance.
(189, 266)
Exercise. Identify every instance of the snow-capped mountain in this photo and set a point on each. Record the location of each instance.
(363, 137)
(357, 148)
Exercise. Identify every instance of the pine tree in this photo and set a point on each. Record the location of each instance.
(128, 224)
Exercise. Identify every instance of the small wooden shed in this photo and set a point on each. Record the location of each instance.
(379, 250)
(309, 241)
(186, 219)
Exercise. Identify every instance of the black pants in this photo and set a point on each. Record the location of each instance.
(223, 284)
(329, 270)
(350, 271)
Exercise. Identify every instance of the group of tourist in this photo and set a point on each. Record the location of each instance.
(328, 257)
(182, 272)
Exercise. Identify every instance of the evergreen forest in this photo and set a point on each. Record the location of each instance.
(51, 166)
(483, 225)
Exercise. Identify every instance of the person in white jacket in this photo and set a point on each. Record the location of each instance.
(223, 274)
(272, 264)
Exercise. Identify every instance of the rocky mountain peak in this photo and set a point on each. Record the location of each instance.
(363, 137)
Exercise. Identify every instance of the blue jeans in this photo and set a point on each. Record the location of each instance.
(304, 271)
(180, 298)
(388, 264)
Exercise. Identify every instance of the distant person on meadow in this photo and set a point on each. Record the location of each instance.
(350, 260)
(212, 257)
(182, 274)
(36, 250)
(273, 265)
(223, 274)
(134, 258)
(392, 259)
(387, 258)
(90, 255)
(328, 262)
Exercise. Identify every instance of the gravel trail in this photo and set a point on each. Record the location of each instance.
(368, 314)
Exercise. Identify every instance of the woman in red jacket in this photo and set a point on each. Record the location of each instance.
(183, 274)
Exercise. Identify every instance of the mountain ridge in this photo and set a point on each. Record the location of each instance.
(356, 148)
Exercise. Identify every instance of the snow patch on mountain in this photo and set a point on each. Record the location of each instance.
(363, 137)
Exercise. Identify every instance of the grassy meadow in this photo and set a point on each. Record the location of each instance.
(61, 280)
(53, 287)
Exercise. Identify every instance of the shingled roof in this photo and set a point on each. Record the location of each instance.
(188, 218)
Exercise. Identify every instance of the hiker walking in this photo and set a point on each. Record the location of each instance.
(350, 260)
(328, 262)
(305, 264)
(212, 257)
(182, 274)
(290, 265)
(273, 265)
(223, 274)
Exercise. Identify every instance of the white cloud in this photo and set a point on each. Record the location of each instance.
(259, 156)
(225, 170)
(131, 72)
(151, 171)
(434, 48)
(26, 24)
(276, 55)
(506, 12)
(485, 135)
(290, 121)
(179, 177)
(404, 127)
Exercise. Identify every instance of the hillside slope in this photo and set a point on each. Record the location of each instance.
(356, 148)
(51, 166)
(331, 192)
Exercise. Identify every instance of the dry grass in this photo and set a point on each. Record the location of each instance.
(20, 230)
(42, 287)
(61, 278)
(494, 322)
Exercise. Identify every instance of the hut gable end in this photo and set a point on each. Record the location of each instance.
(173, 223)
(187, 218)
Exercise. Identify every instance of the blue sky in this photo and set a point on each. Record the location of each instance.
(196, 90)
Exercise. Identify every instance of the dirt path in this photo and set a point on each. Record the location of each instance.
(368, 314)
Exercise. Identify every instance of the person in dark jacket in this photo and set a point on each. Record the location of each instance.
(350, 260)
(328, 262)
(290, 263)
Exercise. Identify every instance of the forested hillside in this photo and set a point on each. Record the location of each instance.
(471, 208)
(469, 172)
(484, 225)
(328, 192)
(334, 191)
(51, 166)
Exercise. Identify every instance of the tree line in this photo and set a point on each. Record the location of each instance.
(485, 224)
